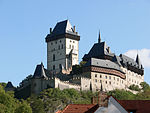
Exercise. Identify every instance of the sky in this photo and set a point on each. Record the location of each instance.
(24, 24)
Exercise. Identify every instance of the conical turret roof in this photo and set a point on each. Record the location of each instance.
(39, 71)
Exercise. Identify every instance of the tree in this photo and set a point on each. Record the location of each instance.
(134, 87)
(3, 84)
(36, 104)
(122, 94)
(144, 85)
(23, 108)
(7, 101)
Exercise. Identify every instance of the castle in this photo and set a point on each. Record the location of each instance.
(101, 70)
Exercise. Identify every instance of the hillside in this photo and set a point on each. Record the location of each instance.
(52, 99)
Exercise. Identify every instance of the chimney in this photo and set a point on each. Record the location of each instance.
(50, 30)
(74, 29)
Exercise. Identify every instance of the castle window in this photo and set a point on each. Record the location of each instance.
(70, 41)
(69, 46)
(109, 82)
(100, 81)
(52, 43)
(73, 42)
(95, 75)
(114, 78)
(59, 47)
(53, 57)
(109, 77)
(56, 42)
(117, 79)
(100, 76)
(53, 67)
(72, 46)
(62, 46)
(34, 84)
(106, 82)
(95, 80)
(60, 41)
(106, 77)
(60, 67)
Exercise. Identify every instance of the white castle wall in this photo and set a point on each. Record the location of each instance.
(108, 82)
(65, 85)
(85, 83)
(132, 77)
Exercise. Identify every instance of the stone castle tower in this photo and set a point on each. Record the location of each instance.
(62, 47)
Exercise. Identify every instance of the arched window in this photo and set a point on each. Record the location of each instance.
(62, 46)
(53, 57)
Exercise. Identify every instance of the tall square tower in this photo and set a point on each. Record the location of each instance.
(62, 47)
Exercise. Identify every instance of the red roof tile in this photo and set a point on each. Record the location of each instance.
(140, 106)
(80, 108)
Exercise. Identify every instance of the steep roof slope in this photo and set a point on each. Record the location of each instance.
(80, 108)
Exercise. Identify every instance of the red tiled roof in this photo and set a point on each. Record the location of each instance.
(140, 106)
(59, 111)
(80, 108)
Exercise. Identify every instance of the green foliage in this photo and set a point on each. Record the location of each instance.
(8, 101)
(9, 104)
(82, 63)
(122, 94)
(145, 86)
(37, 104)
(54, 99)
(143, 94)
(23, 108)
(134, 87)
(3, 84)
(77, 69)
(2, 108)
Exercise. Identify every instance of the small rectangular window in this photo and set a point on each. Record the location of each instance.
(95, 75)
(117, 79)
(100, 76)
(53, 67)
(95, 80)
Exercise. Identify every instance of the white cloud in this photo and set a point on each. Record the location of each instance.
(144, 55)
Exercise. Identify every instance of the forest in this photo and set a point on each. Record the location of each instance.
(52, 99)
